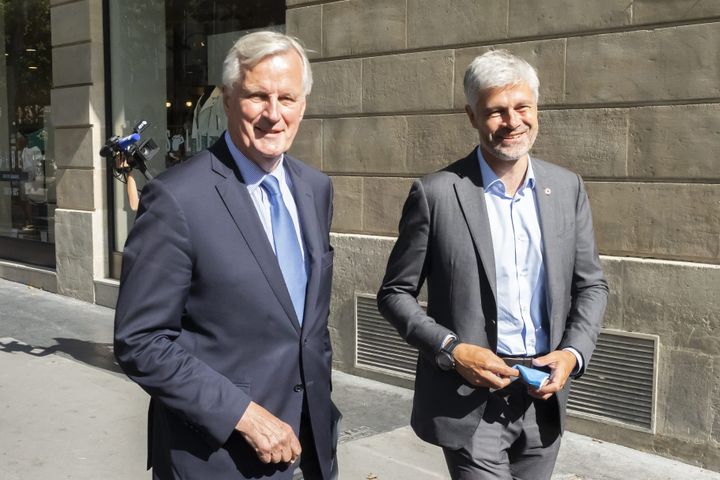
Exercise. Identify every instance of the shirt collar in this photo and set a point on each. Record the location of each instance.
(251, 173)
(491, 182)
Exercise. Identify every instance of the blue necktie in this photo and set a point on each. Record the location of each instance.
(287, 247)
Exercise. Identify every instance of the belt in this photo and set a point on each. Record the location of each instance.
(524, 361)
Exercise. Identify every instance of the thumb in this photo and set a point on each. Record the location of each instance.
(543, 361)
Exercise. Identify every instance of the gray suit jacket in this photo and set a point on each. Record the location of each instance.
(444, 239)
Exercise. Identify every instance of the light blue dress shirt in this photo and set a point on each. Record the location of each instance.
(522, 320)
(253, 176)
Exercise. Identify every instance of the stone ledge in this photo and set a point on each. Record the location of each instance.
(42, 278)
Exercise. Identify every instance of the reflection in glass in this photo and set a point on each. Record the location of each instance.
(166, 68)
(27, 166)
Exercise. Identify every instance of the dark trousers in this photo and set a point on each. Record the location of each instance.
(307, 467)
(518, 439)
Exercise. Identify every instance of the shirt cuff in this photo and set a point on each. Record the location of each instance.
(578, 357)
(446, 340)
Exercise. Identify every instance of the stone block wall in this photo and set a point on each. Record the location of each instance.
(78, 114)
(630, 99)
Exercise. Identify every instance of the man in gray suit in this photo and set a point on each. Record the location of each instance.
(506, 245)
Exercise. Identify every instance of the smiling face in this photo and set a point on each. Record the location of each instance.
(265, 108)
(506, 118)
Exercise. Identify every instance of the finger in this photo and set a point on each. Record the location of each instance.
(286, 455)
(553, 385)
(538, 394)
(265, 457)
(499, 367)
(543, 361)
(494, 380)
(507, 371)
(295, 447)
(277, 456)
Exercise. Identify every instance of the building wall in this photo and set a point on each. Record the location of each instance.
(630, 99)
(78, 110)
(78, 116)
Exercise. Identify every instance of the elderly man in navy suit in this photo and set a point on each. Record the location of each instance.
(506, 245)
(225, 289)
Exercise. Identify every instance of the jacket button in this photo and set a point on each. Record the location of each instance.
(298, 388)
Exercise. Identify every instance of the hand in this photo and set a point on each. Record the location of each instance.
(121, 161)
(272, 439)
(481, 367)
(561, 363)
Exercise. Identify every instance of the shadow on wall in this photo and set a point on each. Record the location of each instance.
(98, 355)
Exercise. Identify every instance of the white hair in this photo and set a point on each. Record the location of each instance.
(251, 49)
(497, 68)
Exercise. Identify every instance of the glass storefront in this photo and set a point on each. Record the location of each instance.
(27, 166)
(166, 68)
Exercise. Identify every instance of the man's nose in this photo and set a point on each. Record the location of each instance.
(272, 109)
(513, 119)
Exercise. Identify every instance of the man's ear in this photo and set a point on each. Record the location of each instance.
(471, 116)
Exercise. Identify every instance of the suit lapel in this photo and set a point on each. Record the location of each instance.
(235, 196)
(309, 226)
(547, 198)
(471, 196)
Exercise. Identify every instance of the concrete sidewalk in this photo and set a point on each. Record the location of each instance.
(67, 412)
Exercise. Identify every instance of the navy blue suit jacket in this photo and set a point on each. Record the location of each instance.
(205, 324)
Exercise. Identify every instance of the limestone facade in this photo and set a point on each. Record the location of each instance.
(629, 98)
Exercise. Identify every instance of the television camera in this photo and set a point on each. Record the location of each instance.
(127, 153)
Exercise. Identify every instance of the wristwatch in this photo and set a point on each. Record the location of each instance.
(444, 358)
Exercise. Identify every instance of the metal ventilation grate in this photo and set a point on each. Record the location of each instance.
(619, 384)
(378, 344)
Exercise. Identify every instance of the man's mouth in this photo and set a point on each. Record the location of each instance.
(513, 135)
(264, 132)
(510, 138)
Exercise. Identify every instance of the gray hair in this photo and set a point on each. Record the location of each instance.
(497, 68)
(251, 49)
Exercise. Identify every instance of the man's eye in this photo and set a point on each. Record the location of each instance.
(287, 101)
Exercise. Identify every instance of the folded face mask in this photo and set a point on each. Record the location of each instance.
(532, 377)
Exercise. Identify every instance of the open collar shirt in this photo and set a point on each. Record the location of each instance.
(520, 273)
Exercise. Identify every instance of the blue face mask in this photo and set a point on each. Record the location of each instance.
(532, 377)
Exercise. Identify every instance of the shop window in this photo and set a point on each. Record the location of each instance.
(27, 166)
(166, 68)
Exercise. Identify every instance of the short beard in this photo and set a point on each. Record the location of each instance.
(509, 156)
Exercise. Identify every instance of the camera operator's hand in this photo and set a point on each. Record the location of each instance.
(121, 165)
